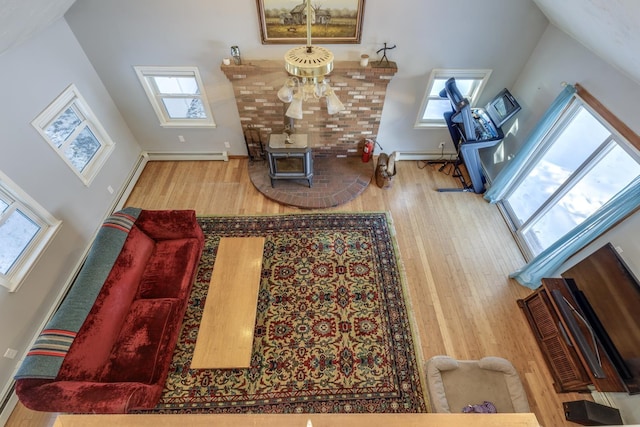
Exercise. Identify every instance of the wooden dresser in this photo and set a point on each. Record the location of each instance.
(568, 364)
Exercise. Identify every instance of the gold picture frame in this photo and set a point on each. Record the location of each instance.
(335, 21)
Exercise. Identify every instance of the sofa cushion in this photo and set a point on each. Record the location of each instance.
(454, 384)
(164, 275)
(469, 385)
(135, 354)
(170, 224)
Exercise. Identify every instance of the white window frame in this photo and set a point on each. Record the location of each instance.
(49, 226)
(71, 97)
(521, 228)
(482, 75)
(146, 74)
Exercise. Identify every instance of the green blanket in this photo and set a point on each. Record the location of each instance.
(46, 356)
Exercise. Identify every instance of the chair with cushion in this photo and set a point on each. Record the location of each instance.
(455, 384)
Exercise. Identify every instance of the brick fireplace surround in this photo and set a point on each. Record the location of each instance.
(362, 90)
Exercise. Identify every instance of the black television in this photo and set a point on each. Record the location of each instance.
(502, 107)
(608, 295)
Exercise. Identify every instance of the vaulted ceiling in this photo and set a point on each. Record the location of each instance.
(21, 19)
(609, 28)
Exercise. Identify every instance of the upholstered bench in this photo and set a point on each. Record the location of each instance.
(454, 384)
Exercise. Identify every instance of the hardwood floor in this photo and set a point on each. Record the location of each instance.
(456, 250)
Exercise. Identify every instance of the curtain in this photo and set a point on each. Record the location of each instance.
(505, 179)
(549, 260)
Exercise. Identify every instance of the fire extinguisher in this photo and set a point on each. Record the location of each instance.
(367, 150)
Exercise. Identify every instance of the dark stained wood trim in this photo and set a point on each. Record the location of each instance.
(611, 118)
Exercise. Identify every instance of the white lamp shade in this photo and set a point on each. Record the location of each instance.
(334, 105)
(295, 108)
(285, 94)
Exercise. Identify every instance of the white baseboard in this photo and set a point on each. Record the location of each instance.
(214, 155)
(8, 403)
(130, 182)
(426, 155)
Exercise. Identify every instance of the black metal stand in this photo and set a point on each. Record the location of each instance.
(252, 139)
(457, 173)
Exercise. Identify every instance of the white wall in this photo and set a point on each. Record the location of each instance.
(559, 58)
(34, 74)
(119, 34)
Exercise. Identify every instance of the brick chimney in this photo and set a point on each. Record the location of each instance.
(362, 90)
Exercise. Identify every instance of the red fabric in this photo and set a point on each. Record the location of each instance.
(169, 224)
(164, 276)
(92, 346)
(87, 396)
(120, 359)
(135, 355)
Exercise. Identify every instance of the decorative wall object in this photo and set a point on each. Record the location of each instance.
(333, 21)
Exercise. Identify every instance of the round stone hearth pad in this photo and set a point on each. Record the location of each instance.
(335, 182)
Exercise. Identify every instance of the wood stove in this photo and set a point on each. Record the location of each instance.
(289, 158)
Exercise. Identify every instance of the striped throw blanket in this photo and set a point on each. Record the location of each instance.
(46, 356)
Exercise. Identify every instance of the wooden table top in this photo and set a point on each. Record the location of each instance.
(225, 337)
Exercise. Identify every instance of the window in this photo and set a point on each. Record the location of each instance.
(73, 131)
(25, 230)
(580, 165)
(176, 95)
(469, 82)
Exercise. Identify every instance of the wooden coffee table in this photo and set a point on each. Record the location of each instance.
(225, 337)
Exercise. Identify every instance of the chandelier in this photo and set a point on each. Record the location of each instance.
(308, 65)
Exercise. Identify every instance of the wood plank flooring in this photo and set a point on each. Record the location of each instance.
(456, 249)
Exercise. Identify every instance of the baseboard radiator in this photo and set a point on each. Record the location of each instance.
(166, 155)
(130, 182)
(426, 155)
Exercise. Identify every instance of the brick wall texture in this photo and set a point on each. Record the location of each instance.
(361, 89)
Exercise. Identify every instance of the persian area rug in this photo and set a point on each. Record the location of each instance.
(332, 332)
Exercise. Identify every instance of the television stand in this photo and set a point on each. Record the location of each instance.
(567, 358)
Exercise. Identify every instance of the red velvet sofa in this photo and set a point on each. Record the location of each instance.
(119, 357)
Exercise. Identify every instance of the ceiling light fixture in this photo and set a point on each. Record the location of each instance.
(308, 66)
